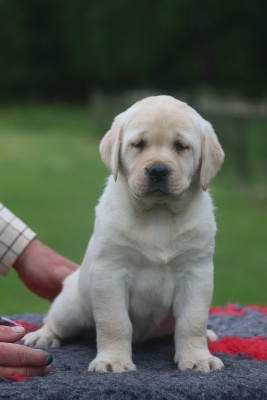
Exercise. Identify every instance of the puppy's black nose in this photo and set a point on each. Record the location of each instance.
(158, 172)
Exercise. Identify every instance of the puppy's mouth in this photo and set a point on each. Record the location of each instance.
(157, 193)
(157, 190)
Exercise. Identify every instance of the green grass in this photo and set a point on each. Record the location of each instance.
(52, 176)
(240, 254)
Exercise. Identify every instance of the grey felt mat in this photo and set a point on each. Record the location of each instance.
(156, 376)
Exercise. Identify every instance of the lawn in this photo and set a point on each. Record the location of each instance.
(52, 176)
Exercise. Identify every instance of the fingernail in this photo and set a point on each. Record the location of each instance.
(49, 358)
(17, 329)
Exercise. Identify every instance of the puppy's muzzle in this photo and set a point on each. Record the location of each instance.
(158, 173)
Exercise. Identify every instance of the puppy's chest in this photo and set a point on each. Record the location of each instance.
(152, 288)
(153, 249)
(159, 243)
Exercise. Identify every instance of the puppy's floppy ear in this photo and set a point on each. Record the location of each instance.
(212, 156)
(110, 148)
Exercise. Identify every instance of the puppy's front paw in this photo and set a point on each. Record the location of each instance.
(111, 364)
(202, 365)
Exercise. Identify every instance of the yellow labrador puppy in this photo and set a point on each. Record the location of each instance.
(153, 242)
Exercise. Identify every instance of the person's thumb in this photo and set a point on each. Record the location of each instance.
(10, 334)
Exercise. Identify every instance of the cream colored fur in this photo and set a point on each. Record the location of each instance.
(151, 252)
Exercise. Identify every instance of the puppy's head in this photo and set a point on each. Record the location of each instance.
(161, 145)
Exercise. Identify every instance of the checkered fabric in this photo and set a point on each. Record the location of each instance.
(14, 238)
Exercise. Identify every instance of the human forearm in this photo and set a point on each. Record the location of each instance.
(43, 270)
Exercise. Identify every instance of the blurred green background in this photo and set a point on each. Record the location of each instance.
(67, 68)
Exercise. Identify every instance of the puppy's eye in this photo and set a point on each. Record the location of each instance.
(140, 144)
(180, 146)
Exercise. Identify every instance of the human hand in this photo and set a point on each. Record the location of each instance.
(43, 270)
(21, 360)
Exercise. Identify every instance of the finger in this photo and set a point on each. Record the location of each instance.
(73, 266)
(24, 371)
(62, 272)
(11, 334)
(15, 355)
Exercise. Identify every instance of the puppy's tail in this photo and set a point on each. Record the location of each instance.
(211, 335)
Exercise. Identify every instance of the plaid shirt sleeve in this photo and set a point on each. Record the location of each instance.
(14, 238)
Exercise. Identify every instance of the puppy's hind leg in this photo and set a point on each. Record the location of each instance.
(65, 317)
(43, 337)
